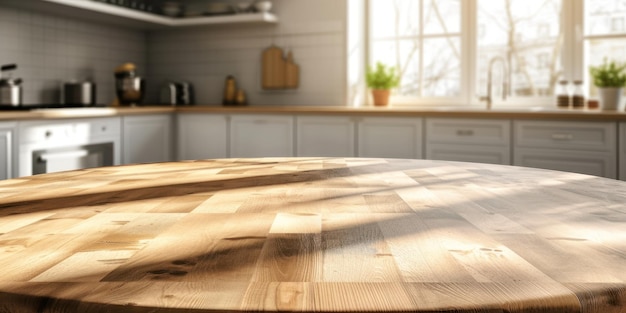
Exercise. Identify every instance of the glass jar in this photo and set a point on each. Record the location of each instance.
(578, 95)
(562, 94)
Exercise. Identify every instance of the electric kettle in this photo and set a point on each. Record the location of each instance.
(10, 89)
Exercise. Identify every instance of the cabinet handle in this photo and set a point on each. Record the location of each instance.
(564, 137)
(465, 132)
(48, 133)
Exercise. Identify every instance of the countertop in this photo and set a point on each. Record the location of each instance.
(313, 235)
(82, 112)
(452, 112)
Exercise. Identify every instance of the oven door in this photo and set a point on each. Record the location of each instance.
(72, 158)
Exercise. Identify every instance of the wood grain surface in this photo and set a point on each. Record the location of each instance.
(313, 235)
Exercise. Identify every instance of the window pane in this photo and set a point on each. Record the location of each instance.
(442, 67)
(404, 55)
(391, 18)
(525, 33)
(612, 49)
(442, 16)
(605, 17)
(428, 59)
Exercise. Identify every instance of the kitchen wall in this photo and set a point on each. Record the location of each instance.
(49, 50)
(314, 30)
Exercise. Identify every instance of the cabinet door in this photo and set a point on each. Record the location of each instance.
(202, 136)
(325, 136)
(147, 139)
(390, 137)
(469, 153)
(253, 136)
(6, 153)
(584, 162)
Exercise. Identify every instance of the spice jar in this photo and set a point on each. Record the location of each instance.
(240, 98)
(562, 94)
(578, 95)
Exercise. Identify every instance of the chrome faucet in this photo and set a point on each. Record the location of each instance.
(505, 82)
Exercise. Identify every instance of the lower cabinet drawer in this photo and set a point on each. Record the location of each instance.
(469, 153)
(584, 162)
(590, 136)
(468, 131)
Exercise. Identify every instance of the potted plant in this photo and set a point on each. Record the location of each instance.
(381, 80)
(610, 79)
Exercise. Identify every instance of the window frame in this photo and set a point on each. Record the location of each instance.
(572, 59)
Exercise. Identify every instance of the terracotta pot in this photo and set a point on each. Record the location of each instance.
(381, 97)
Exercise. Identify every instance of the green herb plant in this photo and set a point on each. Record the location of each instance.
(382, 77)
(609, 74)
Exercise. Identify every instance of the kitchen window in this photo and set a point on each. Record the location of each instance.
(605, 36)
(423, 40)
(443, 48)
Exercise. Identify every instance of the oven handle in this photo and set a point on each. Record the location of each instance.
(44, 157)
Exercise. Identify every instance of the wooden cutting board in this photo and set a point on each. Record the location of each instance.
(292, 73)
(279, 72)
(273, 67)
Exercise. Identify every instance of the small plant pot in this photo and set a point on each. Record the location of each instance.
(610, 98)
(381, 97)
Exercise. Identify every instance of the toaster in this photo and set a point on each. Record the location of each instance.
(177, 93)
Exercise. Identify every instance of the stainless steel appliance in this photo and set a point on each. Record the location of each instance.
(10, 89)
(79, 93)
(177, 93)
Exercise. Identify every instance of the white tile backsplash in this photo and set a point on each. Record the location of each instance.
(313, 30)
(50, 50)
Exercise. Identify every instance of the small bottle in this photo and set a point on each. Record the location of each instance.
(562, 94)
(230, 90)
(578, 96)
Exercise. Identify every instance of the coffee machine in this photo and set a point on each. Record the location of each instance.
(130, 87)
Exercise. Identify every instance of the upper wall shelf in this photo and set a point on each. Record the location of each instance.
(107, 13)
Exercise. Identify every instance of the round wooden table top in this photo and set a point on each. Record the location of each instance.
(313, 235)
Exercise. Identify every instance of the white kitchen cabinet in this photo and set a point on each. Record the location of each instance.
(469, 140)
(146, 138)
(390, 137)
(7, 134)
(580, 147)
(202, 136)
(325, 136)
(254, 136)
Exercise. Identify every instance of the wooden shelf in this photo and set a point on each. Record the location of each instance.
(107, 13)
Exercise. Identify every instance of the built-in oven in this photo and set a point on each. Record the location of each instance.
(70, 144)
(72, 158)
